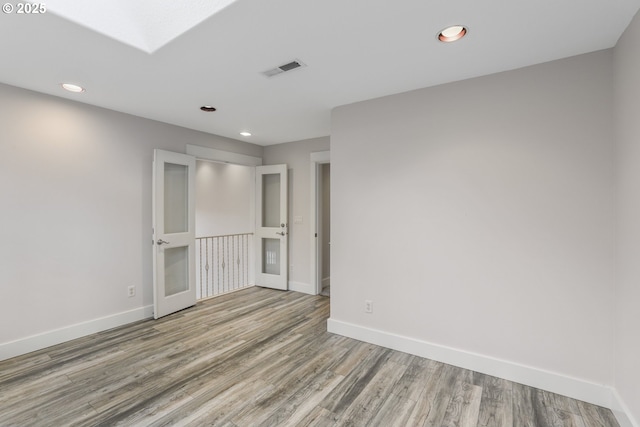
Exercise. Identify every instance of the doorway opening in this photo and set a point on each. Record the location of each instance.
(203, 225)
(226, 222)
(325, 216)
(321, 219)
(224, 228)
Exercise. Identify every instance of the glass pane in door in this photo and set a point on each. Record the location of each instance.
(271, 256)
(176, 270)
(271, 200)
(176, 198)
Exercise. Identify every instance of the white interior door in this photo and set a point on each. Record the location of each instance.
(174, 217)
(271, 226)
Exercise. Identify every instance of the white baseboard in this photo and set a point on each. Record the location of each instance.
(305, 288)
(47, 339)
(597, 394)
(621, 411)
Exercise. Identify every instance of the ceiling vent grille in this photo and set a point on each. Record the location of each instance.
(284, 68)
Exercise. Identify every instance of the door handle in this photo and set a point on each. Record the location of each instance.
(162, 242)
(281, 233)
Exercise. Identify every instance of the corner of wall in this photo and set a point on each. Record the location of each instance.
(575, 388)
(621, 411)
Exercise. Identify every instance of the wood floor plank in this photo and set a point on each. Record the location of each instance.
(425, 401)
(526, 412)
(442, 397)
(591, 415)
(496, 402)
(368, 403)
(607, 416)
(297, 405)
(319, 417)
(359, 352)
(548, 410)
(464, 406)
(288, 384)
(416, 377)
(560, 402)
(260, 357)
(355, 382)
(212, 410)
(22, 364)
(394, 412)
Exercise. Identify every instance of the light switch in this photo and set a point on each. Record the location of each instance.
(297, 220)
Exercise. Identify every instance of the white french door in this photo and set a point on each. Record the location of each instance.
(271, 226)
(173, 232)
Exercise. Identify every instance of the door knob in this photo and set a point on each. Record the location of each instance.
(282, 233)
(162, 242)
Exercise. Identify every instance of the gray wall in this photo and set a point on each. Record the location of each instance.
(224, 199)
(75, 182)
(479, 216)
(627, 113)
(297, 157)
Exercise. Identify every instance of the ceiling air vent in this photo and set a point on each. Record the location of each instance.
(284, 68)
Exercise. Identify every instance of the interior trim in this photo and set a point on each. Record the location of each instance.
(214, 155)
(575, 388)
(47, 339)
(304, 288)
(316, 158)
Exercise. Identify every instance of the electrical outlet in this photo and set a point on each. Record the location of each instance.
(131, 291)
(368, 306)
(291, 268)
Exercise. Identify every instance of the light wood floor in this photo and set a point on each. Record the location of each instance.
(261, 358)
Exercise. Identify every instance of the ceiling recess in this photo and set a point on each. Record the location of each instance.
(452, 34)
(284, 68)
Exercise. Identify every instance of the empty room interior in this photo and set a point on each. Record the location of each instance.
(244, 213)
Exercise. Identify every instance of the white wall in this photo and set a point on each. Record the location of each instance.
(478, 216)
(627, 108)
(297, 157)
(224, 194)
(75, 185)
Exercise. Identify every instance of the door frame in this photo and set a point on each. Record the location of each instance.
(317, 159)
(228, 157)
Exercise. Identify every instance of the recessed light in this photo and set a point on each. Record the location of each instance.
(72, 88)
(245, 133)
(453, 33)
(208, 108)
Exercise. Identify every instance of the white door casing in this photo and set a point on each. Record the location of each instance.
(173, 241)
(315, 257)
(271, 227)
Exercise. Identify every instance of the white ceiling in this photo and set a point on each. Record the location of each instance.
(164, 59)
